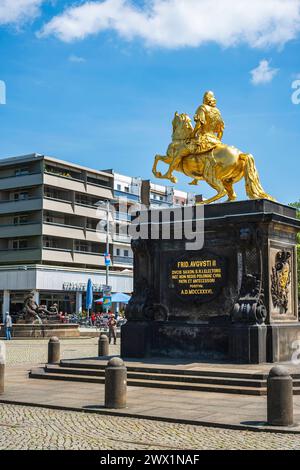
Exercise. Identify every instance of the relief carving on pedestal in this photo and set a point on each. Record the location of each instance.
(281, 279)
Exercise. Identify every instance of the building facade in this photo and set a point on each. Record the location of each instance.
(54, 232)
(159, 196)
(51, 241)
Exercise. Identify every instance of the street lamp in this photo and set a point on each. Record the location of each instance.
(106, 207)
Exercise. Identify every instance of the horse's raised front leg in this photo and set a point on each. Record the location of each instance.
(168, 160)
(158, 158)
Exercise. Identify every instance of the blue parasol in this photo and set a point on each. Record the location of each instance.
(89, 295)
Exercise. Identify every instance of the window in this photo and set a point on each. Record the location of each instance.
(50, 242)
(85, 200)
(20, 244)
(81, 246)
(97, 181)
(20, 219)
(126, 253)
(118, 187)
(118, 251)
(126, 189)
(91, 224)
(49, 218)
(21, 196)
(21, 171)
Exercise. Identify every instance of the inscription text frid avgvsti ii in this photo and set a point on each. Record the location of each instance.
(198, 278)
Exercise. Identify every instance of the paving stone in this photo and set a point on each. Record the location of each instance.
(28, 427)
(24, 427)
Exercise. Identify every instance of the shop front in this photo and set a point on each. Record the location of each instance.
(65, 287)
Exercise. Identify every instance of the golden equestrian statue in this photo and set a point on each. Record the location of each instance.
(199, 153)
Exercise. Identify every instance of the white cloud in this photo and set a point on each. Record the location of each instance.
(179, 23)
(18, 11)
(76, 59)
(263, 73)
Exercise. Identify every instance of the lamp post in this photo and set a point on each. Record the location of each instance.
(107, 241)
(106, 207)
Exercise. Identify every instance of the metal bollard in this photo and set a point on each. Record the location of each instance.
(115, 384)
(53, 350)
(103, 346)
(2, 366)
(280, 397)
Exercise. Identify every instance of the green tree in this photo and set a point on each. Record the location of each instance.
(297, 206)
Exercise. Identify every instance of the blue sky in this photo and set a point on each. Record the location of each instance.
(107, 99)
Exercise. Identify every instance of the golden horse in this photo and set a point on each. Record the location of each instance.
(221, 167)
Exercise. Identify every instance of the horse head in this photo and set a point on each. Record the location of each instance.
(182, 127)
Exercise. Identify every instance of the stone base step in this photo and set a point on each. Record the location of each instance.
(101, 364)
(162, 377)
(227, 379)
(41, 373)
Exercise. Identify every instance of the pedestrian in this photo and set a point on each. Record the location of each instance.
(8, 326)
(93, 319)
(112, 329)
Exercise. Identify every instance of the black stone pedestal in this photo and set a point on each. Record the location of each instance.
(175, 340)
(232, 298)
(247, 344)
(135, 339)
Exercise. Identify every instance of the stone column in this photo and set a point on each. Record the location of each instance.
(6, 303)
(78, 302)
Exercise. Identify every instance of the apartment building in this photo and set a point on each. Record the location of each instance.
(160, 196)
(127, 193)
(51, 241)
(48, 237)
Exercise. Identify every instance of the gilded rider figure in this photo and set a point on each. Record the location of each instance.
(210, 126)
(207, 134)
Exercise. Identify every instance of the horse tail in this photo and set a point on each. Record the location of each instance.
(254, 188)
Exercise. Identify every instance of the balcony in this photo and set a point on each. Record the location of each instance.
(65, 182)
(64, 255)
(95, 259)
(123, 260)
(73, 184)
(86, 211)
(21, 205)
(125, 195)
(63, 231)
(96, 236)
(20, 230)
(104, 192)
(121, 238)
(158, 202)
(29, 255)
(59, 255)
(73, 232)
(122, 216)
(22, 181)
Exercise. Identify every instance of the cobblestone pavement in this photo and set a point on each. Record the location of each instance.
(23, 427)
(35, 351)
(39, 428)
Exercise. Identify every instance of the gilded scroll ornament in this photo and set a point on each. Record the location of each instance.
(281, 279)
